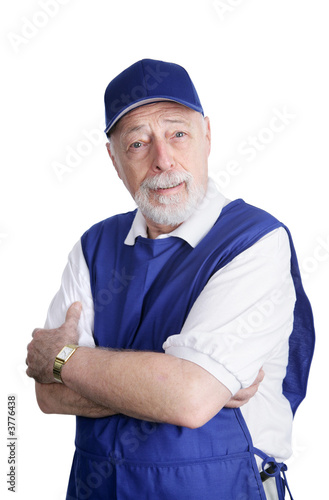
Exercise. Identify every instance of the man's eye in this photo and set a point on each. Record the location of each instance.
(136, 145)
(179, 134)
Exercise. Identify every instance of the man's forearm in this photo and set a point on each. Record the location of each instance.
(146, 385)
(57, 398)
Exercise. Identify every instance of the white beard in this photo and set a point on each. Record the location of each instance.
(169, 210)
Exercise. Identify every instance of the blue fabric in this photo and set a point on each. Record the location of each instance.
(301, 342)
(142, 295)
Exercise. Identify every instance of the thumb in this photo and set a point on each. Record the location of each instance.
(73, 315)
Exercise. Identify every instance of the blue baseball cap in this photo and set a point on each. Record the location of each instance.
(145, 82)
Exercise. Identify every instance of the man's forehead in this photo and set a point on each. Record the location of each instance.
(164, 111)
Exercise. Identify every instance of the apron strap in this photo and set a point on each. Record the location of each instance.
(276, 468)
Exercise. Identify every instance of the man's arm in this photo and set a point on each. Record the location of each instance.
(152, 386)
(146, 385)
(59, 399)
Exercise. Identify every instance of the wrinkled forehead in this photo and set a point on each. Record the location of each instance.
(160, 112)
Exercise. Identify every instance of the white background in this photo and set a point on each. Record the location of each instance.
(248, 62)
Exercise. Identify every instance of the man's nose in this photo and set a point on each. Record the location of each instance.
(162, 156)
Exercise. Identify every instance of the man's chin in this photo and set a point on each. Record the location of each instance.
(167, 215)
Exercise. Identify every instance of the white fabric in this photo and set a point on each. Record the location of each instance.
(270, 489)
(240, 322)
(75, 286)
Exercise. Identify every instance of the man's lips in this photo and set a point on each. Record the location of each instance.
(170, 189)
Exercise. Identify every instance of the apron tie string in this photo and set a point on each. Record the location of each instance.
(275, 469)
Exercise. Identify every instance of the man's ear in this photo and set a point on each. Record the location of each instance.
(111, 155)
(208, 132)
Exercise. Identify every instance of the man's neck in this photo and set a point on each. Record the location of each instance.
(154, 230)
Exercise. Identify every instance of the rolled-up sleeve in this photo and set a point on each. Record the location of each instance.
(242, 316)
(75, 286)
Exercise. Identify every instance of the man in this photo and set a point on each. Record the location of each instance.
(178, 310)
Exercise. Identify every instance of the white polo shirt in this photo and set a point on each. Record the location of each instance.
(240, 322)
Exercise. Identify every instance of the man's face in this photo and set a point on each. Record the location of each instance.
(160, 152)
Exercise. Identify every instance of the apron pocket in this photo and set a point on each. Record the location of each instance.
(223, 478)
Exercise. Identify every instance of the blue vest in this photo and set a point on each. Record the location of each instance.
(142, 295)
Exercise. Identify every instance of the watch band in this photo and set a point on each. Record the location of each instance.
(60, 361)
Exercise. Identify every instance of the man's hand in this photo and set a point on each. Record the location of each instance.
(242, 397)
(46, 344)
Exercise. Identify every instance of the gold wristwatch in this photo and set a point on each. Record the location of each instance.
(62, 357)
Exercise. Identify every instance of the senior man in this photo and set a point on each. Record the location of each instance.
(168, 315)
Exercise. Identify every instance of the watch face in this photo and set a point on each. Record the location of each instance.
(65, 352)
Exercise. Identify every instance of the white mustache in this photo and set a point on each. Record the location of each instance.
(166, 180)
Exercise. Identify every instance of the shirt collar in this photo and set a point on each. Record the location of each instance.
(195, 228)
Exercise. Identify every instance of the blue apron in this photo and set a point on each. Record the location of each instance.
(142, 295)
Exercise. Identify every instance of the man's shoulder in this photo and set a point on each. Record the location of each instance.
(115, 222)
(238, 227)
(114, 228)
(241, 211)
(239, 216)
